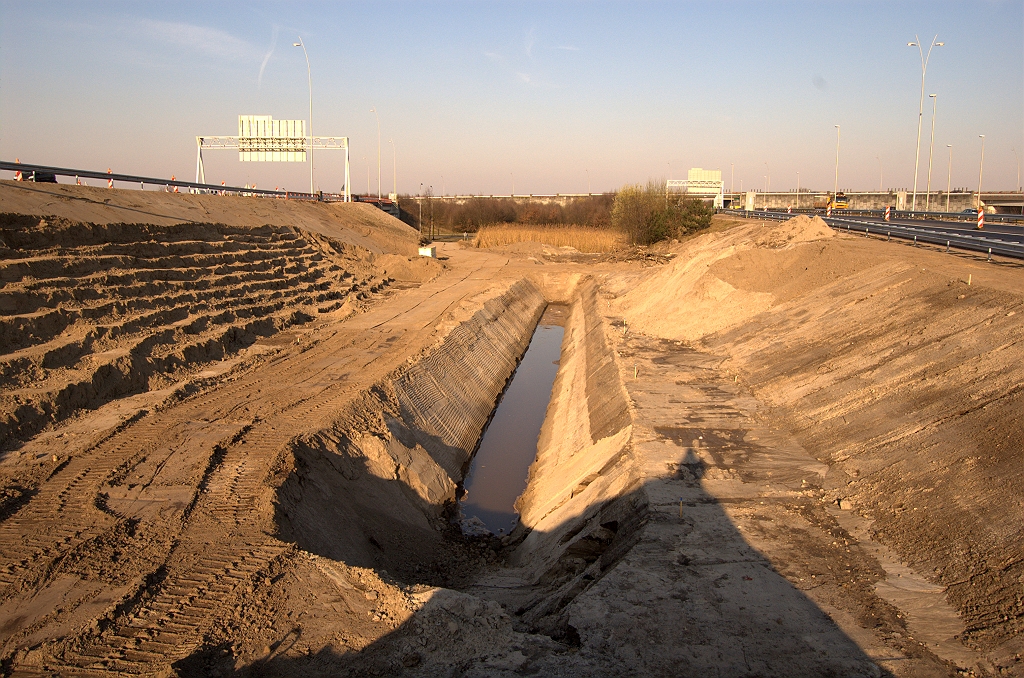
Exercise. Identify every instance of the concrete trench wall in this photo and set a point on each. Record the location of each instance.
(372, 490)
(584, 505)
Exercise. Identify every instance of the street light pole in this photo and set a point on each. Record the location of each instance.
(835, 188)
(931, 149)
(374, 111)
(394, 166)
(1018, 167)
(949, 174)
(419, 222)
(981, 169)
(920, 108)
(309, 77)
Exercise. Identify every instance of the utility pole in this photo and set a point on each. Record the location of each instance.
(309, 77)
(949, 174)
(981, 169)
(374, 111)
(835, 189)
(931, 149)
(394, 166)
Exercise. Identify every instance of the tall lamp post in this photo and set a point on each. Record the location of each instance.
(309, 77)
(931, 149)
(394, 167)
(981, 169)
(949, 174)
(419, 222)
(835, 188)
(374, 111)
(1015, 157)
(920, 108)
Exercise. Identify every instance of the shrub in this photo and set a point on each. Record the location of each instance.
(646, 214)
(468, 215)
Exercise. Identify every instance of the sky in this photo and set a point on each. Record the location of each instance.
(551, 97)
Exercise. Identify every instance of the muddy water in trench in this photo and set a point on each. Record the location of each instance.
(498, 472)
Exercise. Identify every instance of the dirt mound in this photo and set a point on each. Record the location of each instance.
(799, 229)
(354, 223)
(726, 278)
(408, 269)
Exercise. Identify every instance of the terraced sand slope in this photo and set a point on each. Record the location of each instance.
(91, 312)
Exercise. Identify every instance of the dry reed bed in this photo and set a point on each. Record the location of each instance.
(581, 238)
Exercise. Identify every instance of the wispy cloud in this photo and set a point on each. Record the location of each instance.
(208, 41)
(263, 66)
(529, 41)
(523, 77)
(494, 56)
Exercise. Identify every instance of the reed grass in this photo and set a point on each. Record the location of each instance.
(589, 240)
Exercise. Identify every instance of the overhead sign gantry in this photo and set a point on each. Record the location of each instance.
(263, 139)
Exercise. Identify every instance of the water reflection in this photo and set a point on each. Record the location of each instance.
(498, 473)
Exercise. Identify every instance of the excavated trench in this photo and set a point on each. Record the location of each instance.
(498, 471)
(380, 488)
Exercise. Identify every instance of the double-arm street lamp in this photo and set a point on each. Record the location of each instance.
(920, 108)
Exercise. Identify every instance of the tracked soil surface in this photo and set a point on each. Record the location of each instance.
(234, 431)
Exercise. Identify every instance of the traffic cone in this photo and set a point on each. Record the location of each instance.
(17, 173)
(110, 182)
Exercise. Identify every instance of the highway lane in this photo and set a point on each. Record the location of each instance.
(1008, 233)
(997, 239)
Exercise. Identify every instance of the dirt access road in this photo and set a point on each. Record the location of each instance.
(746, 469)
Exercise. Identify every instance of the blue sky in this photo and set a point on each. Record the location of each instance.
(549, 95)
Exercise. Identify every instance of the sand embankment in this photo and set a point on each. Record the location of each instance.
(355, 223)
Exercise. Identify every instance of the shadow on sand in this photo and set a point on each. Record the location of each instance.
(734, 616)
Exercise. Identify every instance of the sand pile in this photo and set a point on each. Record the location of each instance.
(358, 224)
(720, 280)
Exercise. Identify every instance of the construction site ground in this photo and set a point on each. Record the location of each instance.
(233, 431)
